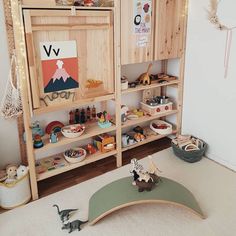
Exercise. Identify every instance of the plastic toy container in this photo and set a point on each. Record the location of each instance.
(15, 194)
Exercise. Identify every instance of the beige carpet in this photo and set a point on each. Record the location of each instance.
(213, 186)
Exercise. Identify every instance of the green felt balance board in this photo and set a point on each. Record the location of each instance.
(121, 193)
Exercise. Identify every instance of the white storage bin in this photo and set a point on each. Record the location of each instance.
(15, 194)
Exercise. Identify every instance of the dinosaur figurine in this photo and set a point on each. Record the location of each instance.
(145, 78)
(64, 213)
(74, 225)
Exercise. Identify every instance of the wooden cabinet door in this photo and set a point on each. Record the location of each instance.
(136, 47)
(169, 29)
(92, 33)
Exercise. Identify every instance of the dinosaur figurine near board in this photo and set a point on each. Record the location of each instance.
(64, 214)
(145, 78)
(74, 225)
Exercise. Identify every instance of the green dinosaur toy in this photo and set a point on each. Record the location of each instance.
(74, 225)
(64, 213)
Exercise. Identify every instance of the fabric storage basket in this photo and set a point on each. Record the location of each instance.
(189, 156)
(15, 194)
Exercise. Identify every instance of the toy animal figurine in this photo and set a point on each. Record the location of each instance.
(64, 214)
(74, 225)
(21, 171)
(145, 78)
(145, 177)
(142, 185)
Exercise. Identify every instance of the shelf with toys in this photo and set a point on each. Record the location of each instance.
(91, 129)
(146, 118)
(151, 86)
(65, 166)
(148, 139)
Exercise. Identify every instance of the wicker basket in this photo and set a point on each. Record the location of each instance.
(189, 156)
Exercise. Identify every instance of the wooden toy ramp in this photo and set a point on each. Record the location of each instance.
(121, 193)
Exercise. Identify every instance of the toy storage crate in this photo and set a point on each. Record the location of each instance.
(155, 110)
(15, 194)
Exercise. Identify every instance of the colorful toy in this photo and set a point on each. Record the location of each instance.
(104, 119)
(145, 78)
(54, 127)
(75, 155)
(74, 225)
(88, 3)
(64, 214)
(94, 113)
(82, 116)
(50, 163)
(124, 113)
(105, 143)
(73, 131)
(72, 117)
(88, 114)
(77, 116)
(53, 138)
(36, 129)
(21, 171)
(38, 143)
(91, 149)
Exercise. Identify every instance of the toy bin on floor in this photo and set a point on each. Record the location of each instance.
(15, 194)
(189, 156)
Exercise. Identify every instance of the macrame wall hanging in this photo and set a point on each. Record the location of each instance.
(214, 19)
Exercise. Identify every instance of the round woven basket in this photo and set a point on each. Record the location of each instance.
(189, 156)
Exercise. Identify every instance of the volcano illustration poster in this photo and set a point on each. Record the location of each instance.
(59, 65)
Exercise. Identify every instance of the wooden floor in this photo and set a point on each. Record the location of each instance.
(76, 176)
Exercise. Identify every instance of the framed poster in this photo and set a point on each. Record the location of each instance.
(142, 16)
(59, 65)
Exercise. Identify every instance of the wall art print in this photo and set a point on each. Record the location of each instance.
(59, 65)
(142, 16)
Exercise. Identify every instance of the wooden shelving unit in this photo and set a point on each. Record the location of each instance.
(119, 48)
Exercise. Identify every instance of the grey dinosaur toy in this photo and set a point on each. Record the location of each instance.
(74, 225)
(64, 214)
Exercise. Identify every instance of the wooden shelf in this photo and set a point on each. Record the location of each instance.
(144, 87)
(143, 119)
(147, 140)
(71, 105)
(89, 159)
(59, 7)
(91, 130)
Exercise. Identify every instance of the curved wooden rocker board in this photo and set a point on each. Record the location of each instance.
(121, 193)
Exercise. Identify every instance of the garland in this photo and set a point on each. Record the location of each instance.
(214, 19)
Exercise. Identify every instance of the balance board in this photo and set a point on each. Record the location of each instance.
(121, 193)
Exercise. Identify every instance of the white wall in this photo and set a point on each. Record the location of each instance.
(9, 148)
(209, 99)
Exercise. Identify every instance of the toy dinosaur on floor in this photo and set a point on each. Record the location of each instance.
(74, 225)
(64, 214)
